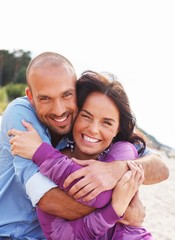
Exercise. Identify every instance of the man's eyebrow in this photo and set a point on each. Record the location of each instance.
(41, 95)
(69, 90)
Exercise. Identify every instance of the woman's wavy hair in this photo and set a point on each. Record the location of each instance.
(107, 84)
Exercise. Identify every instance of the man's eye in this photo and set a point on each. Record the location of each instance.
(68, 94)
(44, 98)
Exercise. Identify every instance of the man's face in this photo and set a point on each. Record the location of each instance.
(53, 95)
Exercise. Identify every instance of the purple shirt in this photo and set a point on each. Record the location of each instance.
(101, 224)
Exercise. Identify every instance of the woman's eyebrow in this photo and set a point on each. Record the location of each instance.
(105, 118)
(83, 110)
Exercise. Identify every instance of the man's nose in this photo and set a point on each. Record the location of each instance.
(58, 108)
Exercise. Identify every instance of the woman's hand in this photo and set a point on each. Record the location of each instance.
(24, 143)
(127, 187)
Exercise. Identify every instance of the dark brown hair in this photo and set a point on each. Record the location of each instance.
(108, 84)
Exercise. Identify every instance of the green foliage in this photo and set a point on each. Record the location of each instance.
(3, 95)
(13, 66)
(15, 90)
(20, 76)
(12, 75)
(3, 99)
(10, 92)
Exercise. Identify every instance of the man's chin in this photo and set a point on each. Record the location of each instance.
(62, 131)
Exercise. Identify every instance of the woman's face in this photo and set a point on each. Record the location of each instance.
(95, 126)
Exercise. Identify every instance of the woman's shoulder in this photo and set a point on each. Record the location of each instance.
(122, 150)
(123, 145)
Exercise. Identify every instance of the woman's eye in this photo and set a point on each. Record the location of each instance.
(85, 116)
(107, 123)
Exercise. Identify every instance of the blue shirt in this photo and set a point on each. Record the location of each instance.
(18, 217)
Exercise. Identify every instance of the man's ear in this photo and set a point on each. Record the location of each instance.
(29, 95)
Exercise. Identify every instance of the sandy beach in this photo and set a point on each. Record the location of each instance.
(159, 200)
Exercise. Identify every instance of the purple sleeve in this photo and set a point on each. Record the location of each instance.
(120, 151)
(91, 226)
(58, 167)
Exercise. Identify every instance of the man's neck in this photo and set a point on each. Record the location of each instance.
(55, 139)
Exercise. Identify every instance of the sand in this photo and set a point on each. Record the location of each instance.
(159, 200)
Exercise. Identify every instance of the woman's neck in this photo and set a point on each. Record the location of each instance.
(77, 154)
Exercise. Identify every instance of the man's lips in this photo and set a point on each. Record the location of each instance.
(61, 121)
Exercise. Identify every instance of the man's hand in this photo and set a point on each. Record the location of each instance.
(96, 177)
(135, 213)
(100, 176)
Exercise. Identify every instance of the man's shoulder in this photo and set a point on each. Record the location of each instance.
(20, 104)
(20, 101)
(19, 109)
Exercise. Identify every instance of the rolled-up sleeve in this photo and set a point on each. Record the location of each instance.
(37, 186)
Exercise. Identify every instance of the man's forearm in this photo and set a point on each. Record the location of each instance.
(155, 169)
(58, 203)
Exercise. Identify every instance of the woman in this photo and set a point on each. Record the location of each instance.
(103, 130)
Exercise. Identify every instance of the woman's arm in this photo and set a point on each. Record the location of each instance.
(97, 223)
(88, 227)
(53, 164)
(57, 166)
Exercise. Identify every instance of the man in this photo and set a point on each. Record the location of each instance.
(50, 106)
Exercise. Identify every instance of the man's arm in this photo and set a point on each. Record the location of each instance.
(104, 176)
(58, 203)
(155, 169)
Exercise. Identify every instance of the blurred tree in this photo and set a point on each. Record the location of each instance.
(20, 76)
(13, 66)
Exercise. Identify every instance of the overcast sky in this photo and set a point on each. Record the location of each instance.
(133, 39)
